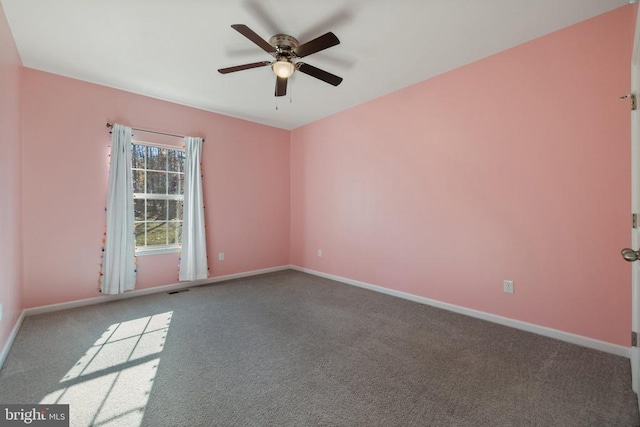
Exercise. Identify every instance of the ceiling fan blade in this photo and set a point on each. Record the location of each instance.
(325, 76)
(244, 67)
(251, 35)
(316, 45)
(281, 86)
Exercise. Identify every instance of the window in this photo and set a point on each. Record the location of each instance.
(158, 194)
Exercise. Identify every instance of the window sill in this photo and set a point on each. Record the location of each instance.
(158, 251)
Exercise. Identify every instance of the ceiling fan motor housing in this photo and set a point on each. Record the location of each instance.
(284, 45)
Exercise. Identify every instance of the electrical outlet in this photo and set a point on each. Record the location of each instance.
(508, 286)
(220, 256)
(319, 253)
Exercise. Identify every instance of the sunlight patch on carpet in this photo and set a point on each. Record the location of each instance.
(111, 383)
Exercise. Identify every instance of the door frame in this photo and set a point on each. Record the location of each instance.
(635, 205)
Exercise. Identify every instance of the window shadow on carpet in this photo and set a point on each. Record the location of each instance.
(111, 383)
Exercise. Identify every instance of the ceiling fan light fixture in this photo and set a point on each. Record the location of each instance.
(283, 68)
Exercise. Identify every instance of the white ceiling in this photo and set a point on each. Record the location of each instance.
(171, 49)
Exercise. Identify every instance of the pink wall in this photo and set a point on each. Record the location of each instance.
(10, 209)
(64, 145)
(514, 167)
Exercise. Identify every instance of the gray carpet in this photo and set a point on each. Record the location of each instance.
(291, 349)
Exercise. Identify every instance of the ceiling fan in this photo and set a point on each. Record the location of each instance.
(286, 49)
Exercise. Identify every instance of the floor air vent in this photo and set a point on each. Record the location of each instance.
(178, 292)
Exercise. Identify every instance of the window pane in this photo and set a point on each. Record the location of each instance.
(138, 181)
(174, 232)
(160, 171)
(175, 210)
(140, 234)
(175, 183)
(157, 158)
(138, 207)
(176, 160)
(137, 159)
(156, 210)
(157, 182)
(156, 233)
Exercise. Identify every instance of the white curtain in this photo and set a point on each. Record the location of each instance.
(193, 261)
(119, 264)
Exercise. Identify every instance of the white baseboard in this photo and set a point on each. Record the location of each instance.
(595, 344)
(140, 292)
(12, 337)
(518, 324)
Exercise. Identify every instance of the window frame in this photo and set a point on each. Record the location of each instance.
(167, 248)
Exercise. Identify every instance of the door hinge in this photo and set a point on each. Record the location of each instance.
(634, 339)
(632, 96)
(634, 220)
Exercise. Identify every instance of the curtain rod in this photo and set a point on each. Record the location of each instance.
(110, 125)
